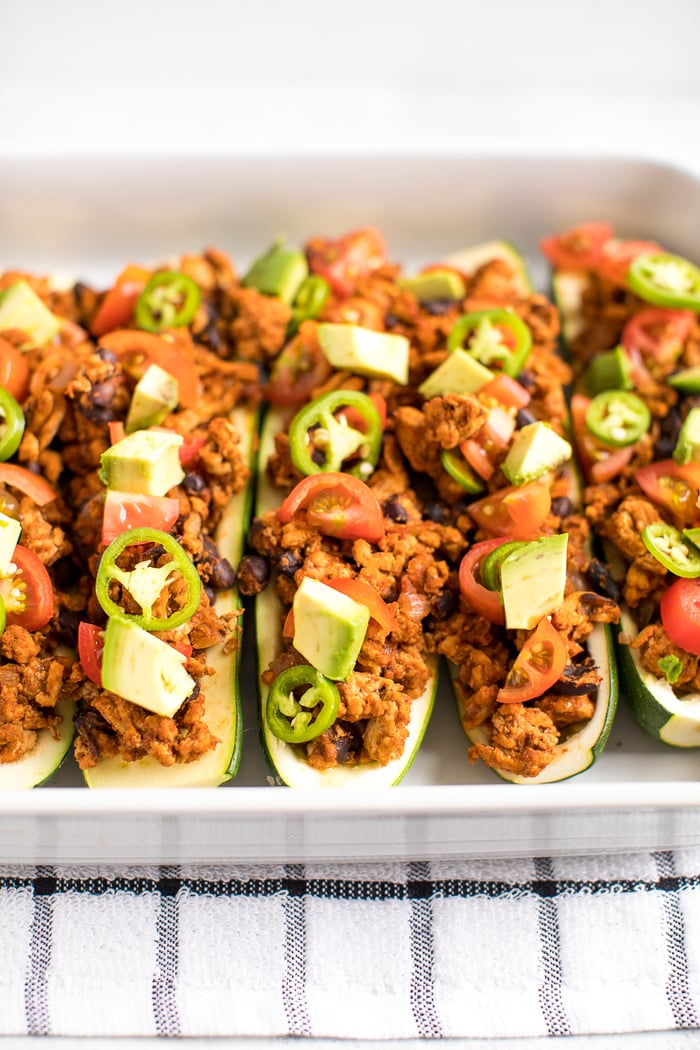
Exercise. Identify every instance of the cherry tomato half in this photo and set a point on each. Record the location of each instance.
(173, 356)
(479, 598)
(616, 256)
(117, 306)
(345, 261)
(657, 332)
(364, 593)
(91, 643)
(14, 370)
(672, 485)
(577, 249)
(27, 593)
(517, 511)
(33, 485)
(507, 390)
(680, 614)
(337, 505)
(299, 369)
(129, 510)
(539, 664)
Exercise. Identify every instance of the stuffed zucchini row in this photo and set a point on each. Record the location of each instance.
(630, 319)
(144, 417)
(527, 637)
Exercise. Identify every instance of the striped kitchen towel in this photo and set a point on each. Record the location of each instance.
(460, 948)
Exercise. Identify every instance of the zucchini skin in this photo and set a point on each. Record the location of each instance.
(39, 765)
(222, 689)
(286, 767)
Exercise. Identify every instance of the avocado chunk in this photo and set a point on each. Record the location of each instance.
(146, 462)
(536, 450)
(611, 370)
(459, 373)
(279, 272)
(144, 669)
(687, 448)
(435, 284)
(329, 628)
(21, 308)
(10, 530)
(155, 396)
(533, 578)
(364, 351)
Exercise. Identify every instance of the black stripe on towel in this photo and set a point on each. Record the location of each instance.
(677, 988)
(36, 998)
(549, 992)
(422, 955)
(164, 982)
(294, 980)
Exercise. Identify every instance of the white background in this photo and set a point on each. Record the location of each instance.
(213, 75)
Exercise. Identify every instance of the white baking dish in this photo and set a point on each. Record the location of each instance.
(86, 217)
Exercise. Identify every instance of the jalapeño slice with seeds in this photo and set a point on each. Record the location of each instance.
(673, 549)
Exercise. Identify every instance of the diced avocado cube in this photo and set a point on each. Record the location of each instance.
(21, 308)
(533, 578)
(364, 351)
(536, 450)
(279, 272)
(10, 530)
(147, 462)
(155, 396)
(459, 373)
(687, 380)
(687, 448)
(144, 669)
(611, 370)
(329, 628)
(435, 284)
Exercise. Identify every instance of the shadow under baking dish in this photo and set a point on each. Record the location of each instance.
(85, 217)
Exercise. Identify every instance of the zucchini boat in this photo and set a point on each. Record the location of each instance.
(535, 688)
(143, 407)
(629, 319)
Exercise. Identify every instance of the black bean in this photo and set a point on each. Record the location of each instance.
(222, 574)
(438, 307)
(210, 592)
(64, 573)
(391, 320)
(67, 632)
(562, 506)
(194, 482)
(527, 379)
(97, 406)
(289, 562)
(253, 574)
(600, 579)
(107, 355)
(524, 418)
(394, 511)
(436, 512)
(446, 603)
(669, 429)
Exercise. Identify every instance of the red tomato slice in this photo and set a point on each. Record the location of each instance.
(172, 355)
(128, 510)
(91, 643)
(483, 601)
(675, 486)
(598, 461)
(190, 449)
(477, 457)
(657, 332)
(616, 257)
(344, 261)
(14, 370)
(362, 592)
(337, 505)
(32, 485)
(518, 511)
(184, 649)
(300, 368)
(539, 664)
(117, 307)
(506, 390)
(680, 614)
(579, 248)
(27, 593)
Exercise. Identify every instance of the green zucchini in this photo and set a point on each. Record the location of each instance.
(578, 752)
(286, 764)
(223, 705)
(45, 758)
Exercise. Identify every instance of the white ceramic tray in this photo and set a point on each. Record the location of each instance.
(86, 217)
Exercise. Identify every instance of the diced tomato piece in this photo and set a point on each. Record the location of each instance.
(578, 249)
(117, 306)
(343, 262)
(129, 510)
(91, 645)
(518, 511)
